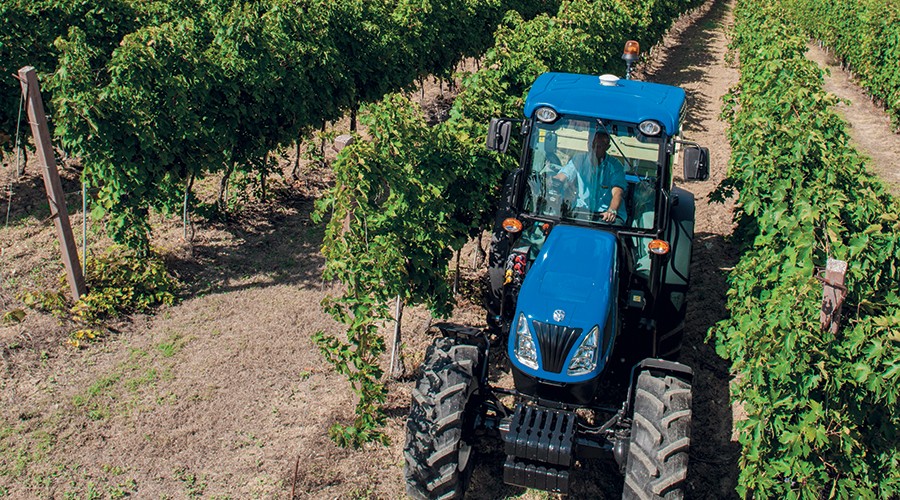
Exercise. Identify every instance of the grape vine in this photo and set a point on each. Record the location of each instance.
(865, 35)
(822, 409)
(150, 95)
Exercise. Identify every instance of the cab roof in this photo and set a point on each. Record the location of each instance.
(627, 101)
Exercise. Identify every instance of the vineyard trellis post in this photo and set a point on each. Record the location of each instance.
(396, 368)
(833, 295)
(55, 195)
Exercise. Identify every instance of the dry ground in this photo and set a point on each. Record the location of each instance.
(224, 394)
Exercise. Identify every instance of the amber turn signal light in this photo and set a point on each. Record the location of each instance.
(658, 247)
(512, 225)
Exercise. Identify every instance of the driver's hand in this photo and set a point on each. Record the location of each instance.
(608, 216)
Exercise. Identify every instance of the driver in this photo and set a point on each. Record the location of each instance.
(600, 181)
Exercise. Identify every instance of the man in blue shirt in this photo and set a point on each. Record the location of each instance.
(600, 181)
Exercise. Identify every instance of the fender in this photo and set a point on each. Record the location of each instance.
(672, 368)
(680, 234)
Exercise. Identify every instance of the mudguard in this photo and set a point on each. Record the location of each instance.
(681, 236)
(571, 288)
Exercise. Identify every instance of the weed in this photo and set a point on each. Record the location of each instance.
(118, 283)
(122, 283)
(102, 384)
(112, 469)
(135, 354)
(98, 413)
(122, 490)
(50, 301)
(97, 410)
(12, 317)
(148, 378)
(361, 493)
(163, 399)
(172, 346)
(92, 493)
(80, 338)
(193, 485)
(250, 439)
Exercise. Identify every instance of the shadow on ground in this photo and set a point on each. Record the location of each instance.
(714, 456)
(262, 245)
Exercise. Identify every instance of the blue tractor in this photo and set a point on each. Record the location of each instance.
(588, 277)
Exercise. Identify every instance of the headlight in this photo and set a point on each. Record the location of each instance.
(546, 115)
(525, 350)
(585, 358)
(649, 127)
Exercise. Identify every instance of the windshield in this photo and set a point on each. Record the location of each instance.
(584, 170)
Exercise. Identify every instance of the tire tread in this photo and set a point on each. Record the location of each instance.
(434, 429)
(660, 438)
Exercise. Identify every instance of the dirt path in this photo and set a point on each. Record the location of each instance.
(870, 128)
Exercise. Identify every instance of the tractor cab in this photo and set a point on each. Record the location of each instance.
(564, 181)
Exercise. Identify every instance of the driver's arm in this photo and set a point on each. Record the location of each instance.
(617, 195)
(567, 173)
(613, 211)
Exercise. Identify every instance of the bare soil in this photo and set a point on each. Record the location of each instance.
(224, 395)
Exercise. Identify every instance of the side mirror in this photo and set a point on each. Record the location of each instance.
(498, 134)
(696, 163)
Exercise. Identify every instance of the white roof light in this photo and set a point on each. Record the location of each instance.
(609, 80)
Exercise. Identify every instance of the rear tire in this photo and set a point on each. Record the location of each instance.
(439, 431)
(660, 437)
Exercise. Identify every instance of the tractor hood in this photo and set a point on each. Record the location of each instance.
(572, 284)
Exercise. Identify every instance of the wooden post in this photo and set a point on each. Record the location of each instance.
(55, 196)
(396, 368)
(456, 276)
(833, 295)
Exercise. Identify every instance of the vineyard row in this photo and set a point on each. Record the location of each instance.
(865, 35)
(822, 408)
(150, 95)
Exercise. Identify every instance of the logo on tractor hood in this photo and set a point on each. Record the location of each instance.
(559, 315)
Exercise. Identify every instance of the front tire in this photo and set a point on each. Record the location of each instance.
(660, 437)
(439, 431)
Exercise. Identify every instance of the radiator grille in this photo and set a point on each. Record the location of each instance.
(555, 342)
